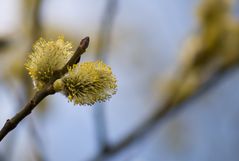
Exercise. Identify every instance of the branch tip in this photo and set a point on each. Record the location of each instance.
(85, 42)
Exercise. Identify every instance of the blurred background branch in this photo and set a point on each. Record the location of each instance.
(215, 52)
(102, 51)
(31, 11)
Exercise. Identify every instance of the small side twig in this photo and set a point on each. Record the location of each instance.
(40, 95)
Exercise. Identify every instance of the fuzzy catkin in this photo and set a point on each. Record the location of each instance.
(89, 82)
(47, 57)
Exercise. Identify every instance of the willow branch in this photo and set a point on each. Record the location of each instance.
(41, 94)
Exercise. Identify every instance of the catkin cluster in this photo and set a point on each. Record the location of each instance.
(84, 84)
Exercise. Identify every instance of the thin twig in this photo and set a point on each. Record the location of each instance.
(37, 142)
(40, 95)
(105, 30)
(104, 40)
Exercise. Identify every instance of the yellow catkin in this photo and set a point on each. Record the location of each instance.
(89, 82)
(46, 57)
